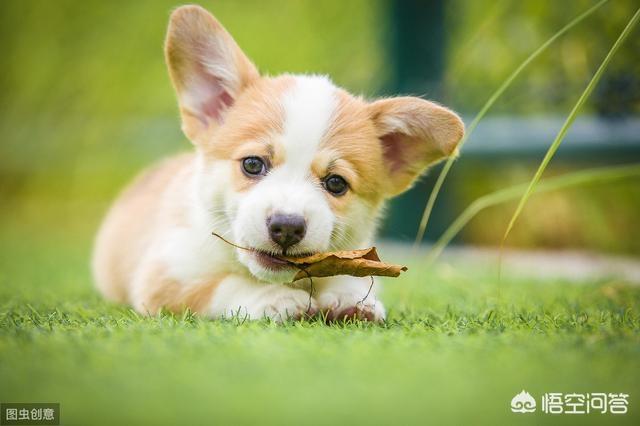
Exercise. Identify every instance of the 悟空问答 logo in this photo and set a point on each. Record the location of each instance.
(523, 403)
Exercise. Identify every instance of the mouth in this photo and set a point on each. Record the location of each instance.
(275, 262)
(270, 261)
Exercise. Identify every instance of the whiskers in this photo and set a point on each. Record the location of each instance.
(341, 238)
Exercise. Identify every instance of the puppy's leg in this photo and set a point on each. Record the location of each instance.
(242, 297)
(226, 296)
(346, 298)
(153, 288)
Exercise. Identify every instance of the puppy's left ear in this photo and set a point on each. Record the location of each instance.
(207, 68)
(414, 134)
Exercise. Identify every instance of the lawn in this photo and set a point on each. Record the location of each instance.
(457, 346)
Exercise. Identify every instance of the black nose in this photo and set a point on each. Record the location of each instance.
(286, 230)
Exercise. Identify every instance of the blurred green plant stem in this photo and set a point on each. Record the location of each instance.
(583, 177)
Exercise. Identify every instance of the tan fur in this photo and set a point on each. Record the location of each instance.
(421, 131)
(173, 295)
(351, 149)
(155, 200)
(379, 148)
(256, 116)
(193, 33)
(251, 127)
(151, 203)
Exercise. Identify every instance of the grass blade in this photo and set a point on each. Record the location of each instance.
(492, 99)
(583, 177)
(569, 121)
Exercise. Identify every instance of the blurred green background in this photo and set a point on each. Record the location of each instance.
(87, 101)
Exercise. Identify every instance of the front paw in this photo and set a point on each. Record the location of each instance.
(285, 303)
(347, 306)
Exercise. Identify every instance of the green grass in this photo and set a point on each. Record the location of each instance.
(454, 349)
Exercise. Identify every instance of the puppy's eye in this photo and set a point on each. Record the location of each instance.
(336, 185)
(254, 166)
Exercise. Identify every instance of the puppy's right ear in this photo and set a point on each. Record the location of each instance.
(207, 68)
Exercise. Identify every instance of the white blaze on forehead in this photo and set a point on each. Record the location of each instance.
(308, 107)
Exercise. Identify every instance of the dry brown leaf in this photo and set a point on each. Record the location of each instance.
(358, 263)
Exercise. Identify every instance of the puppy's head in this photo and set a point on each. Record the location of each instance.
(293, 165)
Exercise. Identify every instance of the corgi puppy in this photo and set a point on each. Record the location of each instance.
(282, 165)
